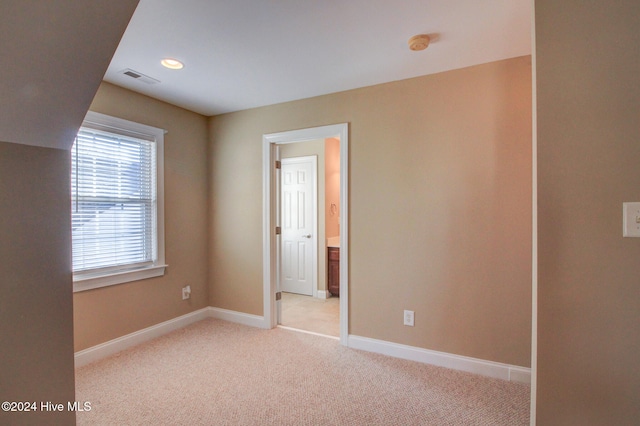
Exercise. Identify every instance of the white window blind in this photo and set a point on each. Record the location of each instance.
(117, 196)
(113, 192)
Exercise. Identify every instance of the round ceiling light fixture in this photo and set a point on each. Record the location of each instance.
(172, 64)
(419, 42)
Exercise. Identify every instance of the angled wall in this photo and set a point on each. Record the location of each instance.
(54, 55)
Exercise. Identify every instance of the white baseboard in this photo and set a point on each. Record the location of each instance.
(238, 317)
(111, 347)
(442, 359)
(322, 294)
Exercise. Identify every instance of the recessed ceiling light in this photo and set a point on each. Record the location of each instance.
(419, 42)
(172, 64)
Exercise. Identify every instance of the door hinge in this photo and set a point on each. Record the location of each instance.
(278, 164)
(278, 230)
(278, 295)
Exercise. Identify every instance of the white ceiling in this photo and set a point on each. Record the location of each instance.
(242, 54)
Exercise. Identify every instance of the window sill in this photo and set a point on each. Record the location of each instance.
(83, 283)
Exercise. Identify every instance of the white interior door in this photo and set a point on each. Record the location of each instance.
(298, 218)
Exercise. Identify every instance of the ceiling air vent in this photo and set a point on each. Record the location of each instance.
(139, 76)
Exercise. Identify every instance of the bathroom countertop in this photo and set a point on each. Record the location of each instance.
(333, 242)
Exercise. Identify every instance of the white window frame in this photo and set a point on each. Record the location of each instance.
(88, 280)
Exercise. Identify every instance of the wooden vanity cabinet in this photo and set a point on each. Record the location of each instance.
(334, 271)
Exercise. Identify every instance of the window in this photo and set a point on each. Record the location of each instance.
(117, 202)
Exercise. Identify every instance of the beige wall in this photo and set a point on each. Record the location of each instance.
(332, 186)
(106, 313)
(588, 95)
(316, 148)
(36, 316)
(440, 205)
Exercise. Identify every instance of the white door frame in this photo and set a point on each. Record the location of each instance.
(269, 220)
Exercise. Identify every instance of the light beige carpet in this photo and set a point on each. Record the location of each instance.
(311, 314)
(219, 373)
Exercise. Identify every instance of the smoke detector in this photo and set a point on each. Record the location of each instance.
(419, 42)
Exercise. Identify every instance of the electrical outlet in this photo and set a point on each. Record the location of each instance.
(186, 292)
(408, 318)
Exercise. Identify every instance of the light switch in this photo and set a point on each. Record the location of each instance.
(631, 219)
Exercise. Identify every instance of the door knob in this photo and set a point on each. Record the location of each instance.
(307, 236)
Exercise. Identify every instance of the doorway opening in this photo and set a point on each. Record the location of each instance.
(337, 210)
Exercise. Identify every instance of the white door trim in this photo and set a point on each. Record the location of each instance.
(534, 224)
(269, 267)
